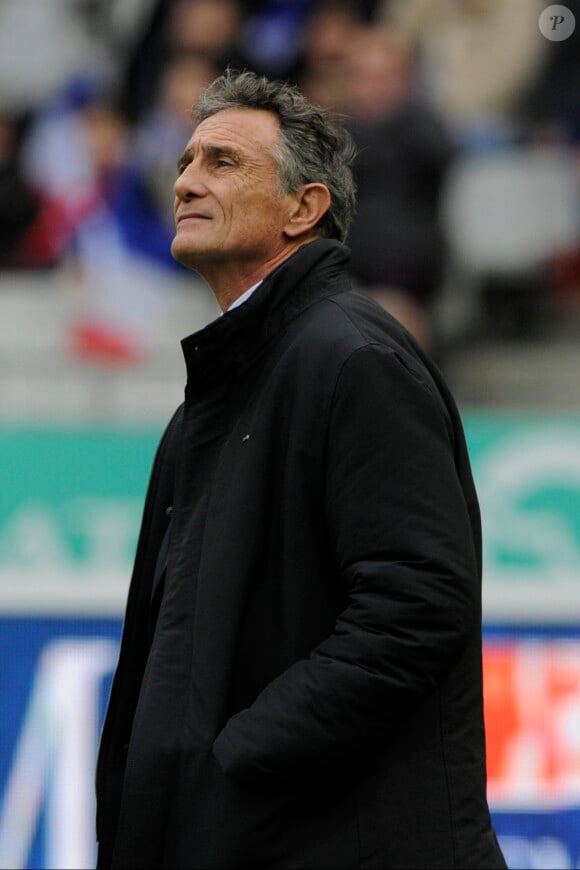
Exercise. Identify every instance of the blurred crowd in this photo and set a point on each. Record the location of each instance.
(95, 100)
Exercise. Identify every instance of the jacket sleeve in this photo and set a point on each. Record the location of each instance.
(404, 549)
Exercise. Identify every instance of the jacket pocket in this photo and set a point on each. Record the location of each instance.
(216, 822)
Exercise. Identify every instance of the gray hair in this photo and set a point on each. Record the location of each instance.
(314, 146)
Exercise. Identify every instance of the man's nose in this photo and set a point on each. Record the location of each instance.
(189, 183)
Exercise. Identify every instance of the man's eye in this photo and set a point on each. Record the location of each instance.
(222, 162)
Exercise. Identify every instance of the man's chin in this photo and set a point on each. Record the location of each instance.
(184, 255)
(198, 258)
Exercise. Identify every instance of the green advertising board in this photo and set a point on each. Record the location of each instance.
(70, 509)
(527, 472)
(71, 502)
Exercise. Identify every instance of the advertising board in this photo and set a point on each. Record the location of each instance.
(69, 518)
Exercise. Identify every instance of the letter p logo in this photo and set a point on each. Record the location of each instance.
(557, 23)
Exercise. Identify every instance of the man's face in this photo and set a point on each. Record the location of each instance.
(227, 203)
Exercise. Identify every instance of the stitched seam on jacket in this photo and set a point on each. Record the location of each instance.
(447, 782)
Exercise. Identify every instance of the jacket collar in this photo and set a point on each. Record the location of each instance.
(233, 340)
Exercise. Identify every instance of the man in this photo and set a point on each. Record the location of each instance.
(299, 682)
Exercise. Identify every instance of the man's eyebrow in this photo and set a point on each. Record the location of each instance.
(210, 151)
(185, 158)
(222, 151)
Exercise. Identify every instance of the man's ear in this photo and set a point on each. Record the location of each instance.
(309, 204)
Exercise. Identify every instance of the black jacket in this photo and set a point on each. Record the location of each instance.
(311, 692)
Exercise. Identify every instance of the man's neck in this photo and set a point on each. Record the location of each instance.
(228, 282)
(244, 297)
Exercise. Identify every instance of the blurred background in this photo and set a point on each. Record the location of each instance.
(466, 114)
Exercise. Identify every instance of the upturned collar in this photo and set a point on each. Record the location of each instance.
(233, 340)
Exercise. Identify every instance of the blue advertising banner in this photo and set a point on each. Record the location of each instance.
(57, 674)
(54, 682)
(540, 840)
(532, 710)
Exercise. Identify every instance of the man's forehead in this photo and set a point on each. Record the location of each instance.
(238, 128)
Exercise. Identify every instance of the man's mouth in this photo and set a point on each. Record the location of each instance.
(188, 216)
